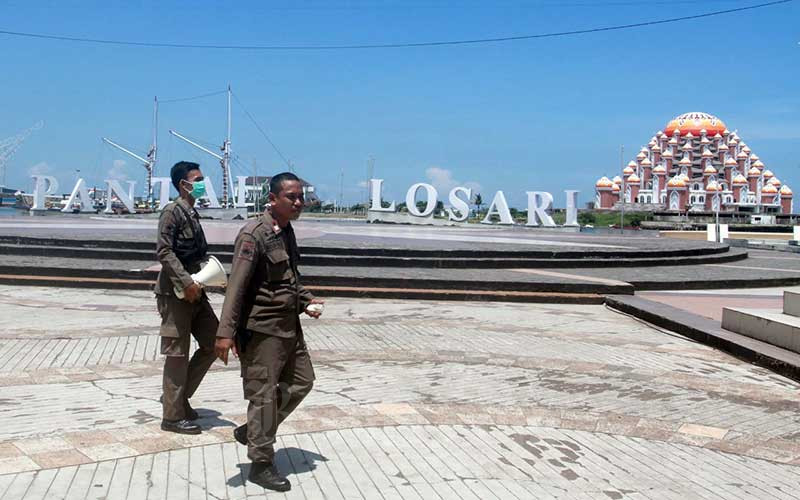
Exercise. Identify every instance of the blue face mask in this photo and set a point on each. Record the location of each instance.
(198, 189)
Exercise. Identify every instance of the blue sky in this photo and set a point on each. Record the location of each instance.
(546, 114)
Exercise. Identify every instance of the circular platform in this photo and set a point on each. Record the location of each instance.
(356, 259)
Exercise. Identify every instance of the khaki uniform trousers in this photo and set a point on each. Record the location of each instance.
(180, 320)
(276, 375)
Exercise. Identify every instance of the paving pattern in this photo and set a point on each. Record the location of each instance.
(413, 399)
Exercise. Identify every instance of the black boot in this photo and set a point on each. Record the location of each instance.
(267, 476)
(240, 434)
(180, 426)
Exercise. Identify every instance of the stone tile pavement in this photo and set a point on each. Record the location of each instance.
(414, 399)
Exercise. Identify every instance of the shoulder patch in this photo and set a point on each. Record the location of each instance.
(247, 251)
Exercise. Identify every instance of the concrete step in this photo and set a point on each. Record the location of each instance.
(9, 243)
(709, 332)
(791, 303)
(354, 258)
(768, 325)
(400, 293)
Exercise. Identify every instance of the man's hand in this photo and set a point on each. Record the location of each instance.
(311, 312)
(193, 292)
(222, 346)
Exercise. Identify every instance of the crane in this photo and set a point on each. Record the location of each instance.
(10, 146)
(224, 158)
(150, 161)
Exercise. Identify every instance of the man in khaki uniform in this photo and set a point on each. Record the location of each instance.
(262, 306)
(181, 249)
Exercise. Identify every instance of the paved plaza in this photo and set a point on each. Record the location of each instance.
(413, 399)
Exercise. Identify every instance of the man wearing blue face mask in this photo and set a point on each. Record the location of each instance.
(182, 303)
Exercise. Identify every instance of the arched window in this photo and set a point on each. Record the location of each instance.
(674, 201)
(697, 187)
(691, 199)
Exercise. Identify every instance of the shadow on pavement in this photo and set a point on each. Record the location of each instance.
(209, 419)
(282, 461)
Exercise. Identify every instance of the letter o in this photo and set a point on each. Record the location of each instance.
(411, 200)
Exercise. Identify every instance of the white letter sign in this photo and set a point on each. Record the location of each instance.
(499, 207)
(458, 204)
(211, 195)
(376, 188)
(572, 208)
(163, 193)
(80, 195)
(42, 186)
(114, 187)
(241, 191)
(430, 202)
(538, 202)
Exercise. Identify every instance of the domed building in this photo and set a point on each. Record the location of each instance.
(695, 164)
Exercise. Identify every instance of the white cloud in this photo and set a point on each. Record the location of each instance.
(41, 168)
(362, 184)
(474, 186)
(117, 171)
(442, 179)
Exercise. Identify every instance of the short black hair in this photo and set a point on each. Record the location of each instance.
(180, 170)
(276, 182)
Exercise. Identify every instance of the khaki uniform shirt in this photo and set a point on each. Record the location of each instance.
(177, 232)
(264, 294)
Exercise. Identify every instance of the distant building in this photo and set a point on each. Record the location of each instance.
(696, 164)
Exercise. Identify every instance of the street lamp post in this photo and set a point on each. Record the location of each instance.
(622, 193)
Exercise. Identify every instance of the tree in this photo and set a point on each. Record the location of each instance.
(263, 196)
(478, 201)
(586, 218)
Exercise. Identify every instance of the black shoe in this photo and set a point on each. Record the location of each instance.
(180, 426)
(240, 434)
(267, 476)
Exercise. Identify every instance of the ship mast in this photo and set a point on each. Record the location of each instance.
(224, 158)
(152, 154)
(149, 162)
